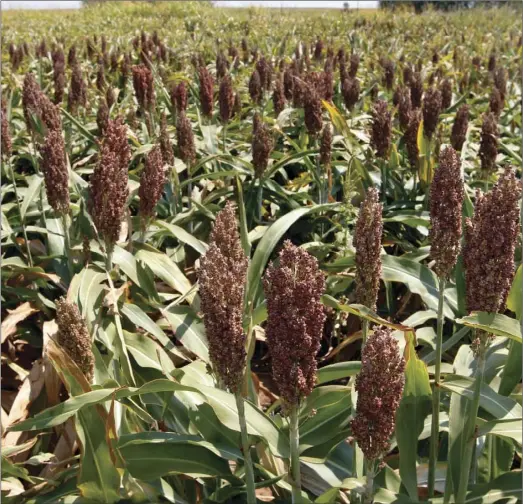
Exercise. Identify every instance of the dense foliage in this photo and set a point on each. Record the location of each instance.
(347, 330)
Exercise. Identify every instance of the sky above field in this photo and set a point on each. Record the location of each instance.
(73, 4)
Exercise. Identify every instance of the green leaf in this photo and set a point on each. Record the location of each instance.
(337, 371)
(494, 323)
(410, 417)
(138, 317)
(258, 424)
(183, 236)
(515, 296)
(324, 414)
(504, 487)
(506, 428)
(364, 313)
(419, 279)
(164, 268)
(266, 247)
(150, 455)
(499, 406)
(58, 414)
(32, 192)
(188, 329)
(98, 478)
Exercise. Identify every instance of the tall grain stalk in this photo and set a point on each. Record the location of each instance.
(446, 200)
(436, 395)
(294, 432)
(249, 472)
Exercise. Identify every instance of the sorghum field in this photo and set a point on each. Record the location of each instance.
(261, 255)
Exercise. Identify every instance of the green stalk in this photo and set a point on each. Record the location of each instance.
(383, 168)
(470, 426)
(249, 472)
(22, 220)
(108, 259)
(364, 331)
(434, 438)
(259, 199)
(67, 243)
(189, 193)
(369, 486)
(295, 455)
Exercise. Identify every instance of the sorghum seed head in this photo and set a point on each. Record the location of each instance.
(459, 128)
(404, 107)
(326, 146)
(350, 89)
(278, 96)
(7, 144)
(431, 111)
(354, 65)
(50, 114)
(262, 145)
(222, 278)
(492, 62)
(293, 289)
(411, 138)
(367, 242)
(102, 117)
(143, 82)
(165, 142)
(312, 111)
(255, 88)
(380, 388)
(179, 97)
(237, 104)
(381, 129)
(56, 174)
(31, 98)
(495, 102)
(328, 84)
(388, 73)
(446, 200)
(185, 139)
(490, 241)
(74, 337)
(416, 89)
(446, 94)
(152, 181)
(500, 81)
(222, 65)
(318, 50)
(488, 144)
(288, 84)
(77, 90)
(206, 91)
(108, 189)
(407, 75)
(100, 76)
(226, 98)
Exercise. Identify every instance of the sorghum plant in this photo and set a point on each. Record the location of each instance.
(108, 189)
(222, 277)
(293, 289)
(446, 200)
(380, 387)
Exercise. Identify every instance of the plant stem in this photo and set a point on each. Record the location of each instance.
(369, 487)
(108, 258)
(22, 220)
(67, 243)
(434, 439)
(259, 199)
(383, 167)
(470, 426)
(364, 331)
(249, 472)
(295, 455)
